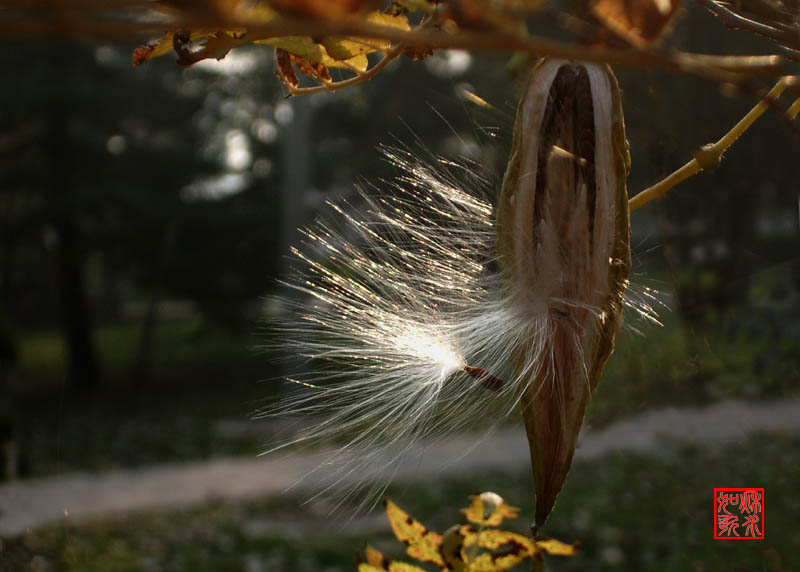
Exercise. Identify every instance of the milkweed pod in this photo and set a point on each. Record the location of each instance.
(564, 253)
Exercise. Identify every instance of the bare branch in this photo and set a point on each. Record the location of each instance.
(132, 19)
(709, 156)
(786, 36)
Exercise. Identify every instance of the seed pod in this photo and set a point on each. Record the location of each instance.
(564, 253)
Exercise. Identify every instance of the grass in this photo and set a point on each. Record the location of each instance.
(658, 366)
(201, 375)
(630, 512)
(181, 346)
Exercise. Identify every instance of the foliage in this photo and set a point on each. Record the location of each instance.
(464, 548)
(130, 175)
(319, 35)
(633, 512)
(180, 418)
(343, 34)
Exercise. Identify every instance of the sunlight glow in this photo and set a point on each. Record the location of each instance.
(427, 347)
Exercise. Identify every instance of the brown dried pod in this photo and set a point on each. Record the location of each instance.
(564, 252)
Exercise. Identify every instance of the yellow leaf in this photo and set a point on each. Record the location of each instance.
(490, 563)
(404, 567)
(506, 550)
(302, 46)
(306, 48)
(331, 51)
(364, 567)
(341, 49)
(374, 557)
(152, 50)
(389, 20)
(494, 539)
(469, 534)
(377, 562)
(489, 509)
(453, 542)
(421, 544)
(556, 547)
(217, 46)
(344, 48)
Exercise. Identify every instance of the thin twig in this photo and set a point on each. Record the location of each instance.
(788, 39)
(360, 77)
(715, 67)
(701, 64)
(793, 110)
(709, 156)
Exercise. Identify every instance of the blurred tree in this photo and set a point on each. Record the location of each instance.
(104, 187)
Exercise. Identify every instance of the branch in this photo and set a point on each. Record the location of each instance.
(788, 37)
(107, 24)
(709, 156)
(360, 77)
(724, 68)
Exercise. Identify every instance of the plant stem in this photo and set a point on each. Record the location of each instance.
(709, 156)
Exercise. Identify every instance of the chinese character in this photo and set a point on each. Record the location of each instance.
(723, 500)
(751, 502)
(737, 508)
(728, 523)
(751, 522)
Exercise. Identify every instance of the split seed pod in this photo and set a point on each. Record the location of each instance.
(564, 253)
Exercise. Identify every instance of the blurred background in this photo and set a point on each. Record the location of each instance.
(146, 213)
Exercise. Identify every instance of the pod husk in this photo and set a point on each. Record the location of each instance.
(555, 393)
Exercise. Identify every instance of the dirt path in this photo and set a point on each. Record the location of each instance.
(80, 497)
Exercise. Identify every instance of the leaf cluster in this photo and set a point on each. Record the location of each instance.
(359, 38)
(476, 547)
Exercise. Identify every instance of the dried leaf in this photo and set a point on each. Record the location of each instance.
(503, 15)
(377, 562)
(416, 54)
(285, 69)
(556, 547)
(464, 548)
(638, 23)
(208, 10)
(344, 48)
(453, 541)
(323, 9)
(404, 567)
(374, 557)
(311, 69)
(421, 544)
(493, 539)
(489, 509)
(490, 563)
(311, 56)
(307, 49)
(501, 549)
(152, 49)
(217, 45)
(400, 6)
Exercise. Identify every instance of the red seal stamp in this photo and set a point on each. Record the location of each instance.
(739, 513)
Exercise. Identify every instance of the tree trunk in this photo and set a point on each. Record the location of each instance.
(297, 170)
(69, 260)
(142, 364)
